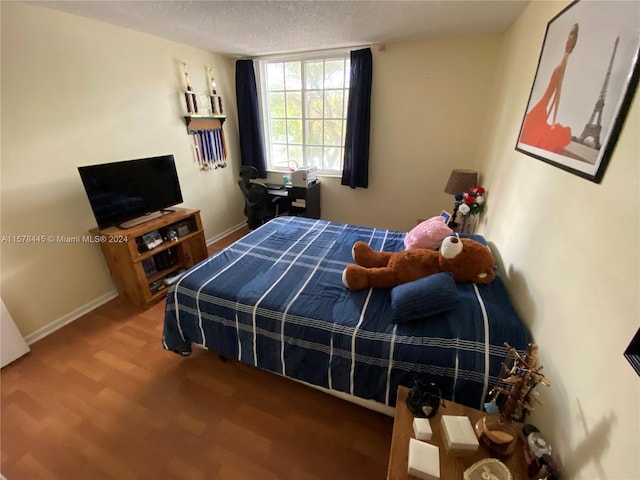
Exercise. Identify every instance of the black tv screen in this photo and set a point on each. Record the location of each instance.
(122, 191)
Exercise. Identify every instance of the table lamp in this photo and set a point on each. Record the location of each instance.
(459, 182)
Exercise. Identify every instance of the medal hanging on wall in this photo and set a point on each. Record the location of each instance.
(210, 149)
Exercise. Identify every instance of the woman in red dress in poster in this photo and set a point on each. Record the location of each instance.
(535, 129)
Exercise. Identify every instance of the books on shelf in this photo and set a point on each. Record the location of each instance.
(161, 261)
(149, 266)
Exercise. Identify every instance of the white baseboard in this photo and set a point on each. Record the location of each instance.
(69, 317)
(86, 308)
(229, 231)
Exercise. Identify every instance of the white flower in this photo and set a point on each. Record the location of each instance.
(464, 209)
(479, 199)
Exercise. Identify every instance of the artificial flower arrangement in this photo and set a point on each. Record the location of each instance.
(471, 202)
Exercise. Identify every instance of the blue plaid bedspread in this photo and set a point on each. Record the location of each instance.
(275, 299)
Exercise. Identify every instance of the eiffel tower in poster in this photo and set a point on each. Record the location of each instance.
(591, 129)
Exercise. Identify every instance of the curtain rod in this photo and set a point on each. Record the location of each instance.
(306, 52)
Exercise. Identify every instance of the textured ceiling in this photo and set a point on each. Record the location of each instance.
(253, 28)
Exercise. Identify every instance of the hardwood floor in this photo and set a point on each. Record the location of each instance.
(101, 399)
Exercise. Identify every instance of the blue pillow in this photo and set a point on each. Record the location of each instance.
(476, 237)
(424, 297)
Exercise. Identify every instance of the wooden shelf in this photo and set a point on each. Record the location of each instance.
(129, 266)
(197, 123)
(165, 246)
(163, 273)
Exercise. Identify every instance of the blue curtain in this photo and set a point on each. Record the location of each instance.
(249, 126)
(355, 171)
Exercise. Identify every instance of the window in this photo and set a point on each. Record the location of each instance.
(304, 111)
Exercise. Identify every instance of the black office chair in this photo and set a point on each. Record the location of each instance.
(259, 206)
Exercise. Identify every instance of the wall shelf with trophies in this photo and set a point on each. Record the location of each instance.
(204, 116)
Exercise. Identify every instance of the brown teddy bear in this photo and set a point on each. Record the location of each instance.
(466, 259)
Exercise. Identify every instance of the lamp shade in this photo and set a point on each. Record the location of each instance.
(460, 181)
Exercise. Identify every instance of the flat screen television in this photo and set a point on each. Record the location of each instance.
(120, 192)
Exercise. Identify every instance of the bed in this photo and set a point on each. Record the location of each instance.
(275, 299)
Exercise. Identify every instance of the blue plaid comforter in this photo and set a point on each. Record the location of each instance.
(275, 299)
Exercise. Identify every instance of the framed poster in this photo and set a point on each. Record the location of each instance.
(585, 80)
(152, 239)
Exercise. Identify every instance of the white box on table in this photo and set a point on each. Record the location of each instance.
(422, 428)
(459, 435)
(424, 460)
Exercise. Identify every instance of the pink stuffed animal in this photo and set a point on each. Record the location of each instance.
(428, 234)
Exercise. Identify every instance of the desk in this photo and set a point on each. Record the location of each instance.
(451, 467)
(301, 201)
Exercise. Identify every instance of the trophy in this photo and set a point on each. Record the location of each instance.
(189, 95)
(216, 100)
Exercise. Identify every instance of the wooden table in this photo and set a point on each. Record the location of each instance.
(451, 467)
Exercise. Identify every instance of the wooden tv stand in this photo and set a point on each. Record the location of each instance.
(137, 270)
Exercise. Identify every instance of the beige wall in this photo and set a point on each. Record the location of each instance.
(67, 102)
(428, 101)
(570, 249)
(77, 92)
